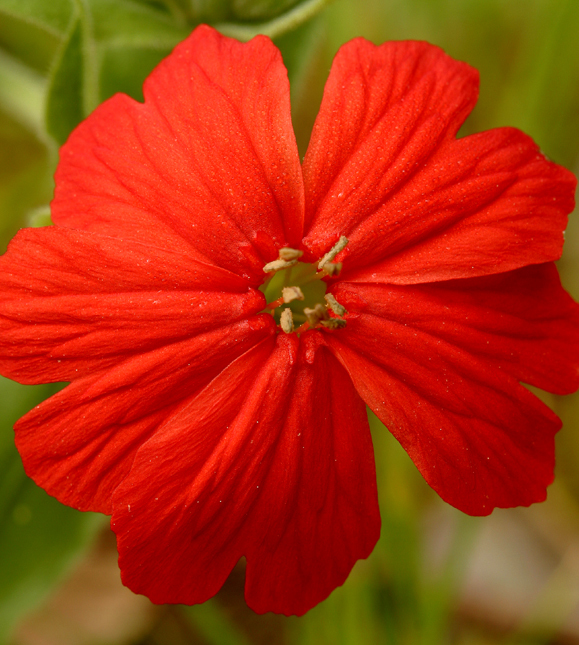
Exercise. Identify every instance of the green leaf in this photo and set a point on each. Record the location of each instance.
(124, 70)
(31, 30)
(53, 17)
(203, 10)
(125, 23)
(65, 103)
(22, 191)
(22, 93)
(177, 9)
(73, 88)
(28, 43)
(278, 26)
(260, 9)
(39, 216)
(40, 538)
(25, 176)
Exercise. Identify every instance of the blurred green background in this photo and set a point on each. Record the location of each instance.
(436, 576)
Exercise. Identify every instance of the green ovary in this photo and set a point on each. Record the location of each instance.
(299, 275)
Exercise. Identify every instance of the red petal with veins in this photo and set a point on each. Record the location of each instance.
(522, 323)
(73, 302)
(385, 170)
(208, 165)
(479, 438)
(272, 461)
(80, 444)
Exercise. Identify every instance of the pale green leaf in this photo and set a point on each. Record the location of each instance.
(22, 93)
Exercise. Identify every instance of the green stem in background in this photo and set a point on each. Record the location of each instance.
(64, 104)
(277, 26)
(90, 85)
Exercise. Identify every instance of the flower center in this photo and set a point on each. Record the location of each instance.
(296, 291)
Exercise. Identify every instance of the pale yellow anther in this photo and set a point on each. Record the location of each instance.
(334, 305)
(276, 265)
(334, 323)
(333, 268)
(291, 293)
(315, 315)
(286, 321)
(331, 254)
(288, 254)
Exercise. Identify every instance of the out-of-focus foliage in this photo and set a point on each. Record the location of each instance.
(430, 579)
(39, 538)
(89, 49)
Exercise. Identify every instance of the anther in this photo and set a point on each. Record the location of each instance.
(289, 294)
(332, 268)
(333, 323)
(315, 315)
(331, 254)
(286, 320)
(288, 254)
(276, 265)
(334, 305)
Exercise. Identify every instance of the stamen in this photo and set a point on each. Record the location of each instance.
(289, 294)
(334, 323)
(331, 254)
(333, 268)
(276, 265)
(330, 269)
(315, 315)
(275, 304)
(292, 283)
(286, 320)
(334, 305)
(288, 254)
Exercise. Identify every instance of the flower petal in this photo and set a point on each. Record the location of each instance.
(478, 437)
(80, 444)
(385, 170)
(523, 323)
(74, 302)
(273, 461)
(209, 157)
(326, 478)
(485, 204)
(382, 107)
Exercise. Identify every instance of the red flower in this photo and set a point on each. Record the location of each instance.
(208, 432)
